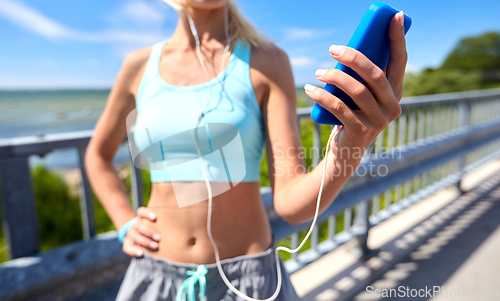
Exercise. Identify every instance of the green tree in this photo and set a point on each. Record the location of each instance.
(475, 53)
(58, 212)
(474, 63)
(435, 81)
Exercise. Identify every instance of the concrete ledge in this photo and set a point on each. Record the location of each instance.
(64, 272)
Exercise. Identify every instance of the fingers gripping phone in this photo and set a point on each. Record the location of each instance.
(371, 38)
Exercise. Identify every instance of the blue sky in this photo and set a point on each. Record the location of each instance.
(54, 44)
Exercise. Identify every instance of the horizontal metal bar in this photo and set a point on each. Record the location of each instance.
(25, 146)
(412, 162)
(64, 271)
(469, 96)
(304, 112)
(415, 101)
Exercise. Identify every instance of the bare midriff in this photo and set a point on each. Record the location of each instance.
(239, 224)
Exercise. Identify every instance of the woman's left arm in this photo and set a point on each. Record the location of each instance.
(295, 191)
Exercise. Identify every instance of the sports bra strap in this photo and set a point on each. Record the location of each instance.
(154, 61)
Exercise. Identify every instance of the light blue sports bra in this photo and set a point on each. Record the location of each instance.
(230, 134)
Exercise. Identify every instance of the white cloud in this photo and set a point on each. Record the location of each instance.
(139, 13)
(299, 33)
(142, 13)
(36, 22)
(302, 61)
(32, 20)
(137, 37)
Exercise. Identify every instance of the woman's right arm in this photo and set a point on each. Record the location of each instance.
(109, 134)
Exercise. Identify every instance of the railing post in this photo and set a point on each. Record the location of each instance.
(378, 143)
(401, 142)
(332, 228)
(315, 238)
(86, 204)
(294, 243)
(316, 144)
(421, 123)
(464, 120)
(412, 125)
(361, 227)
(315, 161)
(464, 113)
(137, 188)
(20, 225)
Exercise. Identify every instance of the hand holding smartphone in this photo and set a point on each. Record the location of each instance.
(371, 38)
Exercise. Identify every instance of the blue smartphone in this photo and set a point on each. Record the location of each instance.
(372, 39)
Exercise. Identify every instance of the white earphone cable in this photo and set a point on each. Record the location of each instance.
(209, 188)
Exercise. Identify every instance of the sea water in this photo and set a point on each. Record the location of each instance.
(36, 113)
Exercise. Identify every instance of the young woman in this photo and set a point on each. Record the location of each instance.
(171, 249)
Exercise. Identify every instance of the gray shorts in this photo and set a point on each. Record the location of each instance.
(151, 278)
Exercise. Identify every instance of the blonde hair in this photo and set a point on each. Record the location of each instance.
(239, 26)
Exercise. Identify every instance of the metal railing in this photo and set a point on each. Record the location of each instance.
(433, 143)
(430, 146)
